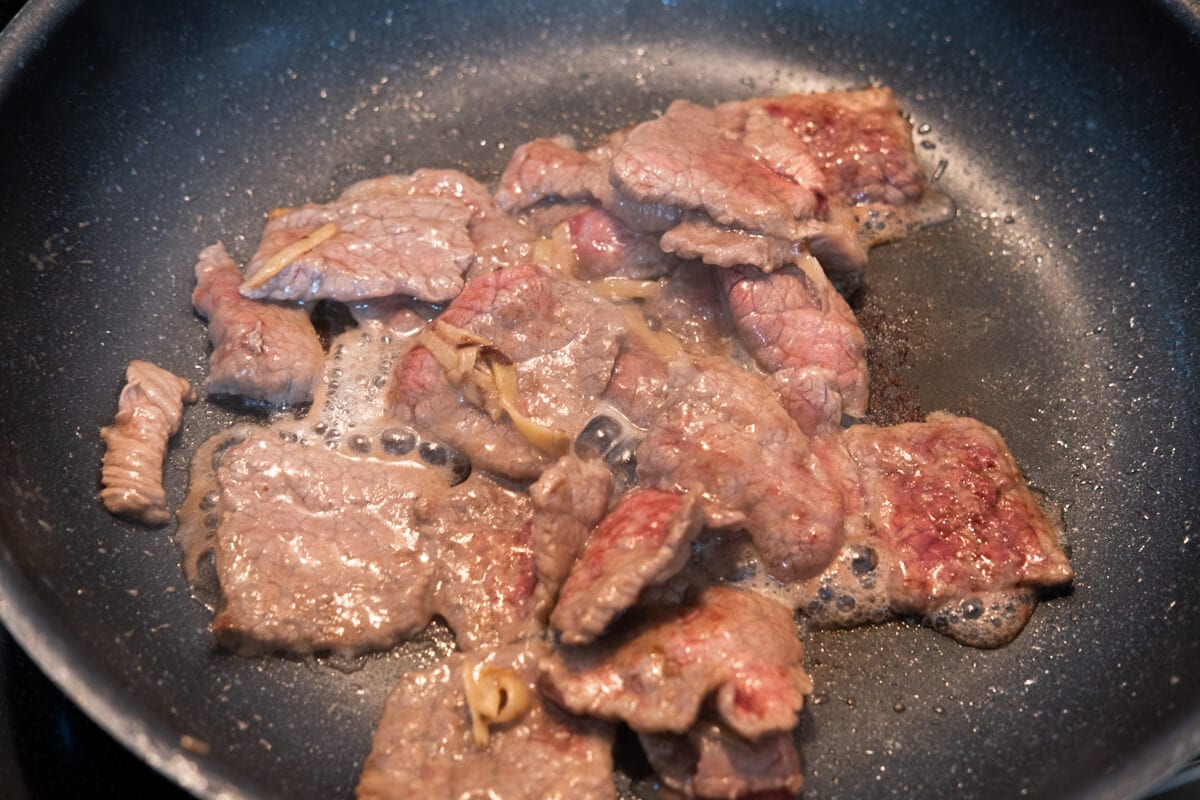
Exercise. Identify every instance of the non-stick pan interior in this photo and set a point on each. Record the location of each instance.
(1060, 307)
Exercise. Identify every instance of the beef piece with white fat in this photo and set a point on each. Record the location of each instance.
(739, 648)
(952, 533)
(544, 323)
(149, 412)
(795, 321)
(644, 540)
(378, 240)
(425, 746)
(319, 549)
(727, 437)
(709, 761)
(262, 350)
(569, 500)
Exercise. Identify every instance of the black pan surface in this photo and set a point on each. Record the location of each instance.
(1060, 307)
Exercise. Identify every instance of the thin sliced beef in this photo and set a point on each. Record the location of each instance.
(498, 239)
(687, 159)
(953, 534)
(560, 336)
(425, 747)
(569, 500)
(739, 648)
(643, 541)
(795, 320)
(382, 242)
(605, 247)
(639, 386)
(711, 762)
(553, 169)
(860, 141)
(726, 247)
(727, 437)
(262, 350)
(318, 549)
(149, 412)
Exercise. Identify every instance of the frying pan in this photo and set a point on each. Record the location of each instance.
(1061, 307)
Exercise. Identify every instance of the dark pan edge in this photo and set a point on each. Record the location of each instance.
(107, 703)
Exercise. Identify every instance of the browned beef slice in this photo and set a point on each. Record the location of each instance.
(387, 242)
(569, 499)
(149, 412)
(687, 159)
(728, 437)
(952, 533)
(654, 673)
(261, 350)
(795, 320)
(541, 321)
(319, 549)
(605, 247)
(424, 746)
(710, 761)
(859, 140)
(726, 247)
(691, 307)
(553, 169)
(644, 540)
(498, 239)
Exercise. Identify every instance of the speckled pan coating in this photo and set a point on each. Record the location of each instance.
(1061, 308)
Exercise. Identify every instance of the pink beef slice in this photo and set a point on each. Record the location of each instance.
(643, 541)
(605, 247)
(794, 321)
(262, 350)
(952, 533)
(738, 647)
(554, 170)
(542, 321)
(498, 239)
(860, 141)
(759, 196)
(711, 762)
(569, 500)
(319, 550)
(149, 413)
(727, 437)
(389, 241)
(424, 746)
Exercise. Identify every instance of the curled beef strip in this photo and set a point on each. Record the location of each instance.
(569, 499)
(383, 241)
(739, 648)
(149, 412)
(261, 350)
(542, 322)
(794, 321)
(726, 436)
(952, 533)
(326, 550)
(711, 762)
(424, 745)
(644, 540)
